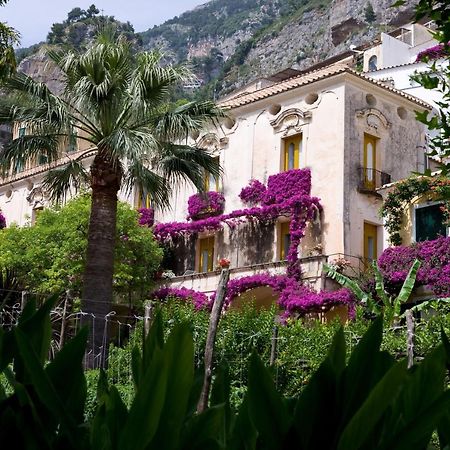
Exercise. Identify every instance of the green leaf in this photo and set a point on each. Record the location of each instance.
(244, 434)
(364, 421)
(66, 374)
(268, 411)
(379, 285)
(201, 431)
(319, 395)
(220, 395)
(347, 283)
(407, 287)
(180, 374)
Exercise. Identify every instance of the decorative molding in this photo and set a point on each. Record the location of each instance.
(212, 142)
(38, 197)
(374, 118)
(291, 121)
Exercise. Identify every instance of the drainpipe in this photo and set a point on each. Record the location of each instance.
(253, 140)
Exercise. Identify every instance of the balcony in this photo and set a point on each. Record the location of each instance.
(369, 180)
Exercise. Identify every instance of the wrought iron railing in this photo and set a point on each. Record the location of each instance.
(371, 179)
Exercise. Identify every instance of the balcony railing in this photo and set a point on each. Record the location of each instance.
(371, 179)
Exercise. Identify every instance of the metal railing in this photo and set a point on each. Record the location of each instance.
(371, 179)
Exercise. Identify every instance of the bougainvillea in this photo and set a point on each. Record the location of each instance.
(435, 52)
(404, 193)
(146, 217)
(205, 204)
(2, 221)
(434, 271)
(200, 300)
(294, 297)
(288, 194)
(253, 193)
(285, 185)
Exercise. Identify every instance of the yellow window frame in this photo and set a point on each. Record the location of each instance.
(370, 232)
(284, 234)
(143, 201)
(207, 179)
(370, 163)
(206, 250)
(296, 142)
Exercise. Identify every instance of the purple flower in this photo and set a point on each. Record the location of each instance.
(435, 52)
(200, 300)
(146, 217)
(205, 204)
(434, 270)
(253, 193)
(2, 221)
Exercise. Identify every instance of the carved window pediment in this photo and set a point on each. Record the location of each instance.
(212, 142)
(291, 121)
(373, 118)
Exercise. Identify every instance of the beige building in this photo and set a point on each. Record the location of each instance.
(355, 134)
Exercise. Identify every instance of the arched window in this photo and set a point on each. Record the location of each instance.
(373, 63)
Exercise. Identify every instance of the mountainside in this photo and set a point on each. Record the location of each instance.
(230, 42)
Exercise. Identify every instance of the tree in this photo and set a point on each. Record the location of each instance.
(57, 34)
(437, 78)
(369, 13)
(8, 37)
(92, 11)
(75, 15)
(49, 257)
(116, 101)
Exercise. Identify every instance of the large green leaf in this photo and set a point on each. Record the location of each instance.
(366, 367)
(320, 395)
(379, 286)
(179, 354)
(67, 375)
(364, 422)
(243, 435)
(408, 286)
(347, 283)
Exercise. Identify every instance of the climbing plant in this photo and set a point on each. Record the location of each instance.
(404, 193)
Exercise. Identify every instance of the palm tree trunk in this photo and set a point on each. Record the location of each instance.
(98, 274)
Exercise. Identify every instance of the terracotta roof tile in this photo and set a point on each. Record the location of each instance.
(308, 78)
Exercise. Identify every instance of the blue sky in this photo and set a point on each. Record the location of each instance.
(33, 18)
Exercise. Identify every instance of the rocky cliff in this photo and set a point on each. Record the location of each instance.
(230, 42)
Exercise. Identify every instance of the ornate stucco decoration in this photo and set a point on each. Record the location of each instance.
(374, 118)
(211, 142)
(291, 121)
(38, 197)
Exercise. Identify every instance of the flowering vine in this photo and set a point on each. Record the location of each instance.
(294, 298)
(2, 221)
(146, 217)
(435, 52)
(402, 195)
(434, 270)
(253, 193)
(205, 204)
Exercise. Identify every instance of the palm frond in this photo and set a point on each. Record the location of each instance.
(68, 179)
(176, 124)
(183, 163)
(140, 176)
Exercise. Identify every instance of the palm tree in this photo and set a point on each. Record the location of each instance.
(115, 100)
(8, 38)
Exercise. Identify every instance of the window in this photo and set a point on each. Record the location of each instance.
(292, 150)
(429, 222)
(211, 182)
(206, 254)
(373, 63)
(22, 131)
(370, 161)
(285, 240)
(370, 242)
(143, 199)
(35, 213)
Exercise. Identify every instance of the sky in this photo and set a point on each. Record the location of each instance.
(33, 18)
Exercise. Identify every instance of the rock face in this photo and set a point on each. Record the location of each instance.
(43, 70)
(230, 42)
